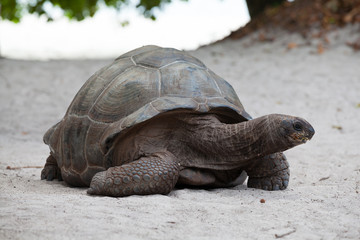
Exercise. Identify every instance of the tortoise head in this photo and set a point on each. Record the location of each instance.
(293, 130)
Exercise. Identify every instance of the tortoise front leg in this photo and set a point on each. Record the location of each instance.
(51, 170)
(269, 173)
(154, 174)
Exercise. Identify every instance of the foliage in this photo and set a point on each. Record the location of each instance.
(13, 10)
(9, 9)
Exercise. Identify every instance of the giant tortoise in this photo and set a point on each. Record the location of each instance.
(157, 118)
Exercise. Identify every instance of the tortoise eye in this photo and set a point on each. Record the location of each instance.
(298, 126)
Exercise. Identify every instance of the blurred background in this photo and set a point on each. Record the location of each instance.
(56, 29)
(116, 28)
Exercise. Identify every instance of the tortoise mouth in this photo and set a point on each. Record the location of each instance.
(305, 139)
(300, 138)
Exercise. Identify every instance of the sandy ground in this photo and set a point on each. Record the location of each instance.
(321, 202)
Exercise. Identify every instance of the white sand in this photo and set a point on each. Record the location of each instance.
(321, 202)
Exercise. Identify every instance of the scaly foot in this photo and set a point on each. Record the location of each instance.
(156, 174)
(270, 173)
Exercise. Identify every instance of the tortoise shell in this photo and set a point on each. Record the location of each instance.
(137, 86)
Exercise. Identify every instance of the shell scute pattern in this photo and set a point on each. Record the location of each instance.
(137, 51)
(87, 96)
(76, 129)
(164, 57)
(126, 94)
(227, 91)
(187, 81)
(93, 152)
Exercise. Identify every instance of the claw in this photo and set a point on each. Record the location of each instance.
(49, 173)
(97, 184)
(50, 176)
(276, 182)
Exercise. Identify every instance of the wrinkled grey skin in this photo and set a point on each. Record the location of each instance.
(157, 118)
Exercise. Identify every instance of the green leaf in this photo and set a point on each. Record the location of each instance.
(73, 9)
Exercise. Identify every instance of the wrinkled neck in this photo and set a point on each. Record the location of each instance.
(246, 140)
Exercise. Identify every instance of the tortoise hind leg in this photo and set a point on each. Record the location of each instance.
(51, 170)
(154, 174)
(207, 178)
(269, 173)
(196, 177)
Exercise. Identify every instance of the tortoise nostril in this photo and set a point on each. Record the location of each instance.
(311, 131)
